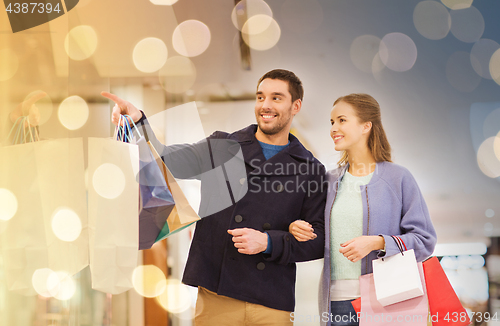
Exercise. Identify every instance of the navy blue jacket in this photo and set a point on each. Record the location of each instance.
(289, 186)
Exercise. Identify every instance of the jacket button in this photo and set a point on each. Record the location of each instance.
(261, 266)
(280, 188)
(287, 238)
(266, 226)
(238, 218)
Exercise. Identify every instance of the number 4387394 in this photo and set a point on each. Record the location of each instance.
(455, 317)
(32, 7)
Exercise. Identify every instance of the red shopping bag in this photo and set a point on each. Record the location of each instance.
(445, 307)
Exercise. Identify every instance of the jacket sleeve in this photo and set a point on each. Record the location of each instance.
(185, 161)
(286, 249)
(417, 231)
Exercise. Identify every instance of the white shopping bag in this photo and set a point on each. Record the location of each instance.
(113, 214)
(396, 277)
(48, 229)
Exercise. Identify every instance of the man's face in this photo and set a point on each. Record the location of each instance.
(274, 109)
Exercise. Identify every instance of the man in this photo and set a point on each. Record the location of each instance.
(242, 258)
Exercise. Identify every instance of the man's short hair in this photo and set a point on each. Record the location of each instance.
(294, 84)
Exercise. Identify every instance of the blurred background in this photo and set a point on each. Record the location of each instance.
(434, 67)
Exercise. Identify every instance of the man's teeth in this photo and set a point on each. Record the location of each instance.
(267, 116)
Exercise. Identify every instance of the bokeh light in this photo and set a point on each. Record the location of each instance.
(108, 181)
(495, 66)
(398, 52)
(489, 213)
(81, 42)
(265, 40)
(496, 146)
(480, 56)
(10, 64)
(149, 281)
(303, 17)
(432, 20)
(457, 4)
(163, 2)
(73, 112)
(66, 224)
(246, 9)
(487, 160)
(176, 297)
(191, 38)
(467, 25)
(491, 125)
(257, 24)
(43, 282)
(460, 73)
(363, 50)
(177, 75)
(150, 54)
(8, 204)
(65, 285)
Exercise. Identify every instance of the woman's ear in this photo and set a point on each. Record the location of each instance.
(367, 127)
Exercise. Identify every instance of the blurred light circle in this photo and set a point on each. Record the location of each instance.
(398, 52)
(489, 213)
(257, 24)
(265, 40)
(191, 38)
(491, 125)
(108, 181)
(496, 145)
(63, 286)
(177, 75)
(66, 224)
(302, 17)
(176, 297)
(480, 56)
(73, 112)
(150, 54)
(43, 281)
(460, 73)
(363, 50)
(163, 2)
(432, 20)
(81, 42)
(246, 9)
(467, 25)
(495, 66)
(8, 204)
(44, 106)
(487, 160)
(377, 66)
(457, 4)
(488, 227)
(149, 281)
(10, 64)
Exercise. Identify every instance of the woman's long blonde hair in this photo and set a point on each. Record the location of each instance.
(367, 109)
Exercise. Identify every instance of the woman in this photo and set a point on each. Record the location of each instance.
(369, 199)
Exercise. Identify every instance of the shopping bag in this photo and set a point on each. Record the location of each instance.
(113, 202)
(156, 201)
(412, 312)
(396, 277)
(182, 215)
(445, 307)
(49, 227)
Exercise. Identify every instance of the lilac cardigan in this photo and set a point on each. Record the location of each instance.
(392, 205)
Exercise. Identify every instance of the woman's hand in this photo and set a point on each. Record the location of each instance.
(302, 231)
(357, 248)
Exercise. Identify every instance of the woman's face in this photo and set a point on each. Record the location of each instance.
(347, 132)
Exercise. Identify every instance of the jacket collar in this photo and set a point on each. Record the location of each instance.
(252, 151)
(379, 170)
